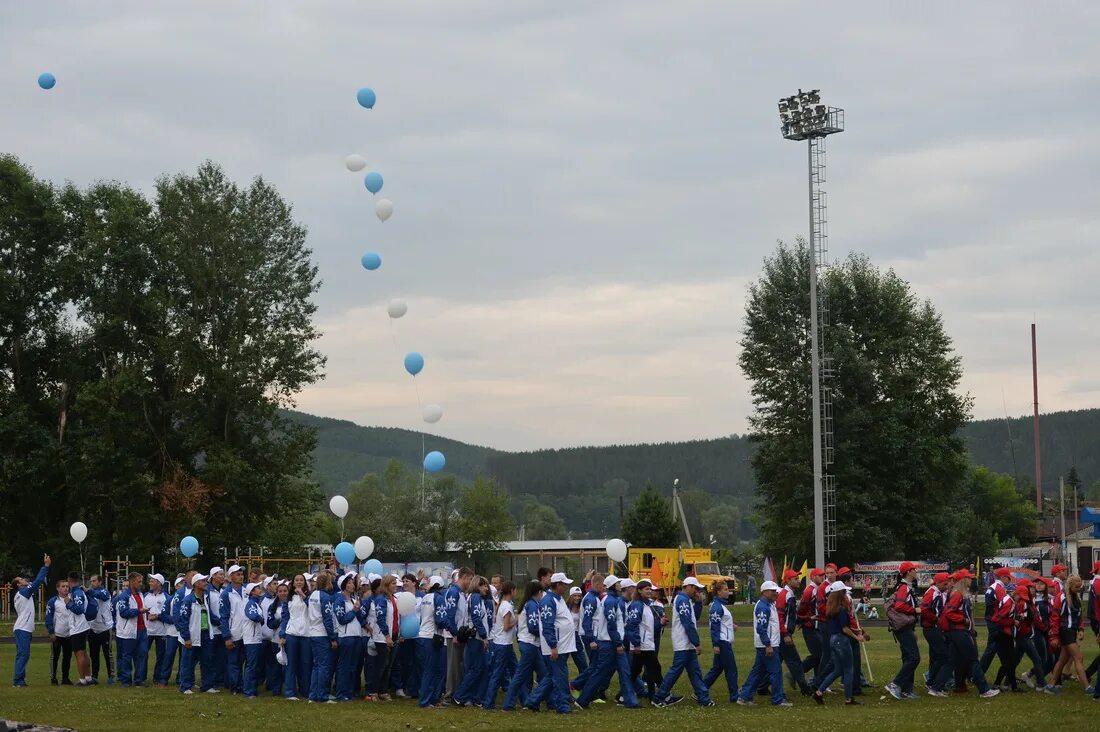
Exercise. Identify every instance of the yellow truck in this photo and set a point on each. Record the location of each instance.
(666, 567)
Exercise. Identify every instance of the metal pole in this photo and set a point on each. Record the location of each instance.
(815, 367)
(1062, 511)
(1035, 392)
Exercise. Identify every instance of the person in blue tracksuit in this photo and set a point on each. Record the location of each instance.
(294, 631)
(24, 620)
(591, 619)
(502, 659)
(685, 648)
(193, 623)
(131, 635)
(387, 634)
(215, 652)
(766, 639)
(57, 625)
(349, 633)
(278, 615)
(471, 690)
(270, 669)
(231, 617)
(406, 670)
(530, 655)
(431, 647)
(580, 658)
(612, 655)
(556, 640)
(99, 632)
(721, 637)
(80, 608)
(322, 637)
(252, 639)
(158, 601)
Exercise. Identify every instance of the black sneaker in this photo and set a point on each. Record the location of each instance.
(659, 703)
(672, 699)
(709, 704)
(53, 682)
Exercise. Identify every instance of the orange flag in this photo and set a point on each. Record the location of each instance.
(655, 573)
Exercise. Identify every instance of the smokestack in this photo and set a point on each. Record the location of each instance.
(1035, 393)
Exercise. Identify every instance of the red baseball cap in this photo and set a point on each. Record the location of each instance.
(830, 565)
(1023, 584)
(817, 572)
(1003, 572)
(941, 577)
(962, 574)
(906, 566)
(843, 571)
(1059, 568)
(788, 574)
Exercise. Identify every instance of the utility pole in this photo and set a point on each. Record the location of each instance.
(678, 511)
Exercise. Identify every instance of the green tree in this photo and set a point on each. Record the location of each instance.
(696, 503)
(542, 522)
(988, 514)
(485, 523)
(649, 522)
(721, 522)
(1074, 485)
(897, 412)
(1094, 492)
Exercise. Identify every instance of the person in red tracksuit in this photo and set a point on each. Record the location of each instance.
(820, 597)
(1057, 600)
(957, 623)
(905, 602)
(931, 606)
(1030, 626)
(1070, 632)
(1094, 621)
(807, 620)
(1004, 617)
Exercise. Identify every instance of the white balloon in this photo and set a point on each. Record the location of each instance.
(79, 532)
(364, 547)
(355, 163)
(406, 602)
(384, 208)
(397, 307)
(339, 506)
(616, 550)
(432, 413)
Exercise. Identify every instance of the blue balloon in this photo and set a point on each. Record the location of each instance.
(46, 80)
(414, 363)
(373, 566)
(434, 461)
(366, 97)
(373, 181)
(345, 553)
(189, 546)
(410, 626)
(371, 261)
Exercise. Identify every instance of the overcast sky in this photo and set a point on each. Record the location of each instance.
(583, 190)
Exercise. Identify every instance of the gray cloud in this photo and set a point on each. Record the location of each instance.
(582, 190)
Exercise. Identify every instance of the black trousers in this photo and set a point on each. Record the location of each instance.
(63, 650)
(1027, 646)
(793, 661)
(813, 646)
(101, 642)
(1006, 652)
(647, 661)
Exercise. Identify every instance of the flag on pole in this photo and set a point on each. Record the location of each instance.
(769, 570)
(805, 571)
(656, 575)
(785, 565)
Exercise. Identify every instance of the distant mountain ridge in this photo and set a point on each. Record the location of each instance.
(346, 451)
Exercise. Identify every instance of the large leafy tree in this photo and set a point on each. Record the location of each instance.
(649, 522)
(899, 460)
(154, 409)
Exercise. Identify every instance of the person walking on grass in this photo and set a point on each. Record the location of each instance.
(23, 628)
(957, 623)
(787, 606)
(721, 637)
(557, 639)
(1070, 633)
(686, 648)
(766, 667)
(841, 633)
(903, 615)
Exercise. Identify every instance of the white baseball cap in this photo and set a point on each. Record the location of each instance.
(837, 586)
(251, 586)
(560, 577)
(574, 591)
(157, 577)
(609, 581)
(307, 576)
(769, 585)
(213, 571)
(199, 578)
(691, 582)
(626, 583)
(372, 577)
(180, 580)
(435, 581)
(235, 568)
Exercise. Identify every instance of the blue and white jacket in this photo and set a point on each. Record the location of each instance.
(433, 615)
(213, 606)
(614, 619)
(765, 624)
(57, 617)
(685, 635)
(105, 618)
(189, 618)
(348, 619)
(721, 622)
(231, 611)
(158, 605)
(321, 616)
(590, 617)
(126, 614)
(528, 622)
(481, 615)
(255, 620)
(640, 623)
(77, 605)
(24, 602)
(556, 624)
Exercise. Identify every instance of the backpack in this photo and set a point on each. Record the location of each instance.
(91, 608)
(896, 621)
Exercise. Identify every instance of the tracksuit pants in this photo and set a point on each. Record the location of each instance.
(456, 654)
(1026, 646)
(938, 655)
(133, 659)
(22, 656)
(219, 655)
(647, 662)
(531, 661)
(767, 669)
(347, 665)
(992, 631)
(724, 663)
(789, 653)
(234, 663)
(321, 671)
(60, 649)
(253, 664)
(1006, 652)
(501, 666)
(585, 660)
(554, 687)
(813, 647)
(299, 666)
(966, 655)
(472, 679)
(910, 659)
(101, 643)
(432, 662)
(162, 669)
(687, 661)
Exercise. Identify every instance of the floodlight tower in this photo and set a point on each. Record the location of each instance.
(804, 117)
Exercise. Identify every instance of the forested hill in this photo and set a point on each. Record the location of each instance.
(346, 451)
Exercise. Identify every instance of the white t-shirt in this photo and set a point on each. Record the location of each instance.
(500, 636)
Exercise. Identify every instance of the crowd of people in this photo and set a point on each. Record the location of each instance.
(340, 636)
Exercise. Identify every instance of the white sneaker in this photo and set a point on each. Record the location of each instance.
(400, 694)
(1029, 679)
(188, 692)
(213, 691)
(291, 698)
(990, 693)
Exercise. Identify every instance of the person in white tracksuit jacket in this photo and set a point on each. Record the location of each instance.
(24, 619)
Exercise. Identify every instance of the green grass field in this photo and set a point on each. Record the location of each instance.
(112, 708)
